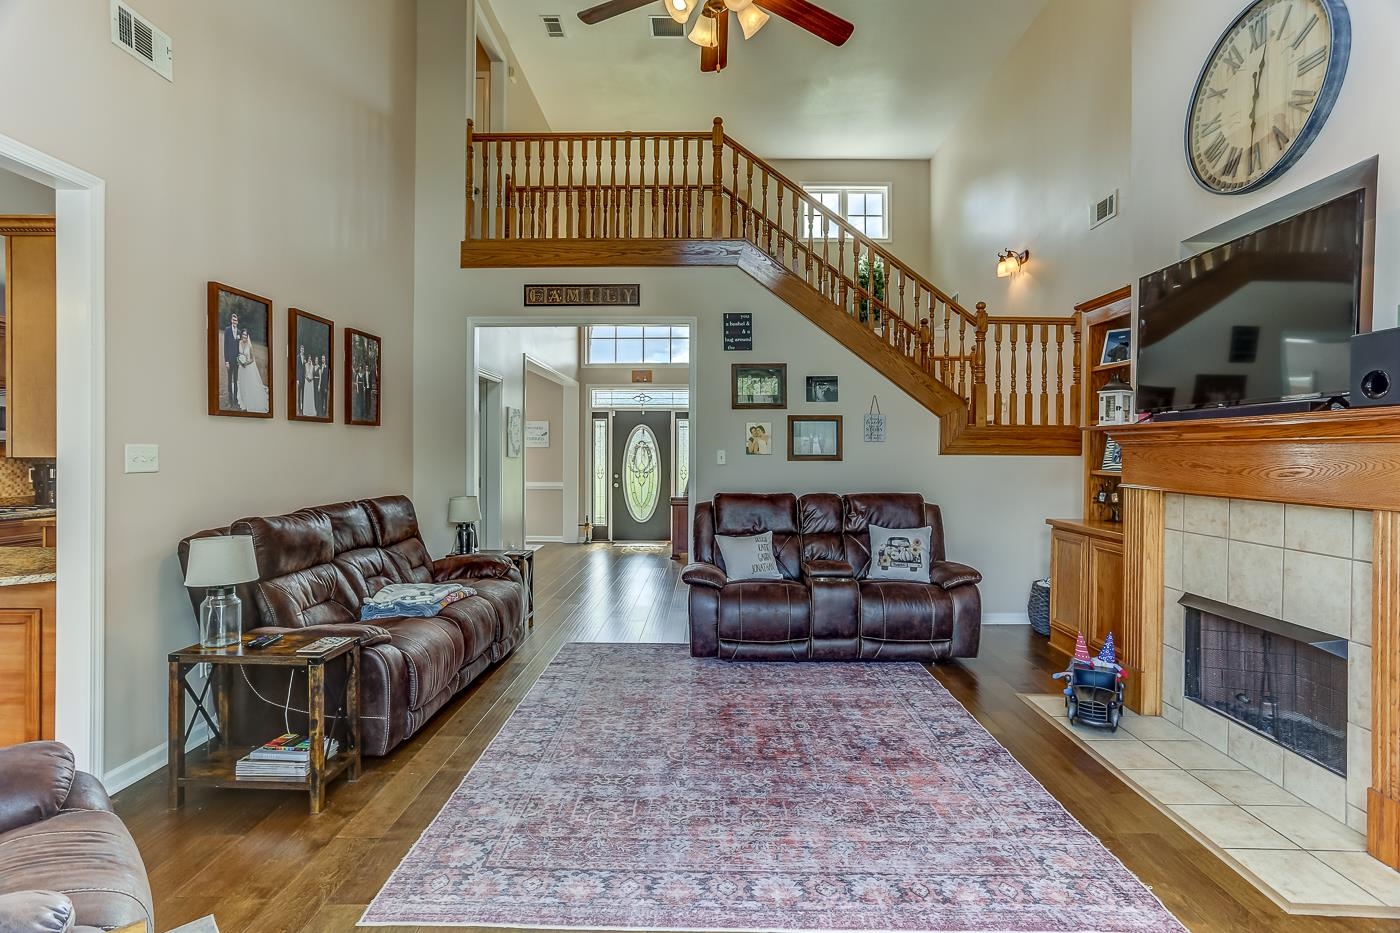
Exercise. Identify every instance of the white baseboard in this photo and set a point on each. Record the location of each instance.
(148, 763)
(545, 539)
(1005, 618)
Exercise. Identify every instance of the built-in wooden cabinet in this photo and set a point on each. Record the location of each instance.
(27, 672)
(30, 378)
(29, 532)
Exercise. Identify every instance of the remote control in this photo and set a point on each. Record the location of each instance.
(325, 643)
(262, 641)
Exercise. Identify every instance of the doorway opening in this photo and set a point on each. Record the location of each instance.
(640, 454)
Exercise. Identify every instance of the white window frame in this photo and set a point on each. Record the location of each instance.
(845, 191)
(670, 345)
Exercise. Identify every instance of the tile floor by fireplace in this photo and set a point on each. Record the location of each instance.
(1303, 859)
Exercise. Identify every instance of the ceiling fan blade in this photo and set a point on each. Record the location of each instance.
(812, 18)
(594, 15)
(722, 51)
(709, 59)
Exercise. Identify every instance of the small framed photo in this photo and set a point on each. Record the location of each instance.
(759, 385)
(814, 437)
(822, 389)
(758, 439)
(1117, 346)
(240, 353)
(1112, 457)
(311, 374)
(362, 378)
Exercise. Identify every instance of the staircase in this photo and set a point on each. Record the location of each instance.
(997, 384)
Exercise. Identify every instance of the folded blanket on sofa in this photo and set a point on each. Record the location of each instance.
(412, 599)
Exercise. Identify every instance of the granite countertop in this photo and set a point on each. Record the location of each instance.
(10, 513)
(20, 565)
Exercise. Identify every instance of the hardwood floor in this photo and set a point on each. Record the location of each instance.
(260, 862)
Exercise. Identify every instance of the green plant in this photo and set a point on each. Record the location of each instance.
(864, 269)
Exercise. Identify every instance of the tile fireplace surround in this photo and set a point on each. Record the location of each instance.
(1302, 564)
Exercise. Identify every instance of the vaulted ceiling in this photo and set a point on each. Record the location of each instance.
(895, 90)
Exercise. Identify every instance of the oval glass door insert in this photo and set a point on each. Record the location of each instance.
(641, 474)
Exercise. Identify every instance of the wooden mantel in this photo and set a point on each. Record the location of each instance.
(1340, 459)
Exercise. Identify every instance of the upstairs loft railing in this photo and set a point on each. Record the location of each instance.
(1010, 371)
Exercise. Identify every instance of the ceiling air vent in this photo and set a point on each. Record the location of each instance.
(143, 41)
(663, 27)
(553, 26)
(1104, 210)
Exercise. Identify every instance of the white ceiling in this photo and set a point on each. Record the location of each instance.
(895, 90)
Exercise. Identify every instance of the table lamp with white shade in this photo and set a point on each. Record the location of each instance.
(219, 563)
(464, 512)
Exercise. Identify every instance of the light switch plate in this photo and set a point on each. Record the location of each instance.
(720, 458)
(142, 458)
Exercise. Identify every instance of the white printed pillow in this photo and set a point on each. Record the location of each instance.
(748, 557)
(900, 553)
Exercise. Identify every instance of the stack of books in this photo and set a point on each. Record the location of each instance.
(286, 757)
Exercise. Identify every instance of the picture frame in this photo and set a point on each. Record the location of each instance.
(537, 434)
(816, 437)
(1117, 346)
(823, 389)
(758, 439)
(310, 367)
(240, 346)
(515, 432)
(1112, 461)
(758, 386)
(363, 373)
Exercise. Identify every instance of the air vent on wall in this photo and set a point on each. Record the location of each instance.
(142, 40)
(1104, 210)
(663, 27)
(553, 26)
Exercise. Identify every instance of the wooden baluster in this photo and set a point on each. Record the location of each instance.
(570, 227)
(750, 228)
(964, 375)
(841, 269)
(526, 214)
(1029, 411)
(627, 187)
(511, 205)
(734, 230)
(1076, 415)
(761, 215)
(780, 223)
(671, 187)
(497, 228)
(1045, 416)
(902, 314)
(542, 199)
(600, 193)
(613, 212)
(1015, 397)
(796, 231)
(979, 368)
(717, 184)
(996, 407)
(925, 338)
(1059, 374)
(923, 323)
(468, 233)
(945, 363)
(656, 228)
(554, 201)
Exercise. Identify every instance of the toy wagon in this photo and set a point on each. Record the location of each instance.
(1094, 694)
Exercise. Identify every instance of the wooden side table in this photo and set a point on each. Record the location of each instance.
(524, 561)
(216, 768)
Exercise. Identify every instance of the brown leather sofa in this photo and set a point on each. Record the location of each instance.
(66, 860)
(825, 608)
(318, 565)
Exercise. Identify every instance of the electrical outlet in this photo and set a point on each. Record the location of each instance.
(720, 458)
(142, 458)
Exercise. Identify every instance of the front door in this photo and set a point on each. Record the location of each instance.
(641, 476)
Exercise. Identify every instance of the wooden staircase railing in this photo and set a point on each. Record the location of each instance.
(1009, 372)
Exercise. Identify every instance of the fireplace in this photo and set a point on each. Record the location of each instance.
(1282, 681)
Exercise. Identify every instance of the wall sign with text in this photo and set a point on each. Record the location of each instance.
(589, 296)
(738, 331)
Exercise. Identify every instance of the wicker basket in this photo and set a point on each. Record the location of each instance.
(1038, 607)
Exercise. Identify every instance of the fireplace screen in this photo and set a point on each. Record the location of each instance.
(1286, 683)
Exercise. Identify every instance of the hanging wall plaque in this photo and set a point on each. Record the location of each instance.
(874, 422)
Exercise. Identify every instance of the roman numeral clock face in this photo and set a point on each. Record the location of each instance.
(1266, 91)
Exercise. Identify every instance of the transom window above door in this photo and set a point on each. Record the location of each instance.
(638, 343)
(865, 207)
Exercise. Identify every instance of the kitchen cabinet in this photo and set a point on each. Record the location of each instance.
(30, 380)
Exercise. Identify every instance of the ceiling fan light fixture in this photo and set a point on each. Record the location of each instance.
(706, 33)
(680, 10)
(751, 20)
(737, 6)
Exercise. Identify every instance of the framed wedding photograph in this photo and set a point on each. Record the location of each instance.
(240, 353)
(814, 437)
(822, 389)
(362, 378)
(1117, 346)
(758, 439)
(311, 373)
(758, 385)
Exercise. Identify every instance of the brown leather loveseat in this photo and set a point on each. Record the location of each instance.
(67, 863)
(318, 565)
(825, 608)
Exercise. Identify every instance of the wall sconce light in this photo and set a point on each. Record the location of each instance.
(1009, 262)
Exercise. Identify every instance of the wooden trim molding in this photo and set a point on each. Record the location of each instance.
(1144, 553)
(28, 225)
(1383, 797)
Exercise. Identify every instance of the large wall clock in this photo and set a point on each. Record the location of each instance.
(1265, 92)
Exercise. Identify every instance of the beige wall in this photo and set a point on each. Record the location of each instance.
(19, 195)
(1047, 137)
(280, 160)
(544, 508)
(910, 239)
(1170, 41)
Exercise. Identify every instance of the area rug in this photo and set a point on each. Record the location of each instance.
(636, 788)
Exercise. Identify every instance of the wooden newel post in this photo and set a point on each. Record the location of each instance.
(979, 367)
(1079, 413)
(717, 181)
(471, 185)
(925, 340)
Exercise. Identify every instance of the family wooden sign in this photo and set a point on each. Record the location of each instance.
(592, 296)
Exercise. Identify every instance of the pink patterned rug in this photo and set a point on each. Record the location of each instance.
(636, 788)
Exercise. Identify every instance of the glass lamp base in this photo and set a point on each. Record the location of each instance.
(220, 619)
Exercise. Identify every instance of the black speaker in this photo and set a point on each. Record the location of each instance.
(1375, 368)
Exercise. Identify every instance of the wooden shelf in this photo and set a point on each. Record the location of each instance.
(1106, 367)
(217, 769)
(1107, 474)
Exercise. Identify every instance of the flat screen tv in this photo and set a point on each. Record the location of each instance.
(1264, 318)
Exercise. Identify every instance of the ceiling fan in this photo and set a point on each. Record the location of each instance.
(711, 29)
